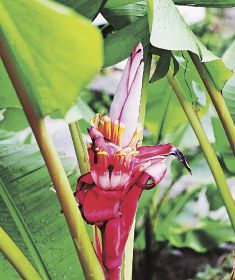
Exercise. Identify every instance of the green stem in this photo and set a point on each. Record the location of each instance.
(83, 163)
(206, 148)
(15, 256)
(79, 147)
(88, 259)
(128, 259)
(217, 99)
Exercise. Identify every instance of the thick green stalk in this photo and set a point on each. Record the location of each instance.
(128, 258)
(88, 259)
(79, 147)
(15, 256)
(217, 99)
(206, 148)
(84, 165)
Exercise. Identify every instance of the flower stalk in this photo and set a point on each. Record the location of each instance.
(88, 259)
(16, 257)
(217, 99)
(206, 148)
(79, 146)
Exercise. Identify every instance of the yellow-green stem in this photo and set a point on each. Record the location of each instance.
(90, 264)
(80, 149)
(128, 258)
(17, 259)
(206, 148)
(217, 99)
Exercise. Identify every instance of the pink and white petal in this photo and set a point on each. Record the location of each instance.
(136, 58)
(130, 112)
(156, 172)
(156, 153)
(148, 152)
(103, 180)
(94, 176)
(115, 179)
(121, 94)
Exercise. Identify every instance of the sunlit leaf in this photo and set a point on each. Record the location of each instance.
(54, 54)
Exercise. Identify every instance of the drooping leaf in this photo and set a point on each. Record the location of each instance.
(54, 64)
(120, 44)
(169, 31)
(161, 69)
(30, 208)
(87, 8)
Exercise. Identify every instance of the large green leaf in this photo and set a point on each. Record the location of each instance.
(169, 31)
(229, 89)
(52, 49)
(30, 213)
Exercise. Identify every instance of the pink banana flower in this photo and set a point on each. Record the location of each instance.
(120, 170)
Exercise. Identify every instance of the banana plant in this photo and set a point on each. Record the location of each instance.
(49, 54)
